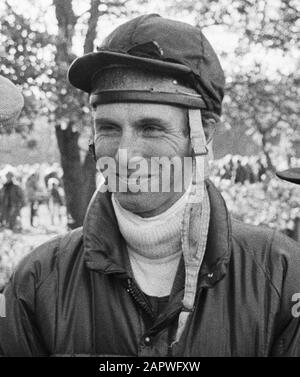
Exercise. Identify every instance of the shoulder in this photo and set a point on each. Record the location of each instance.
(251, 237)
(276, 254)
(262, 240)
(38, 265)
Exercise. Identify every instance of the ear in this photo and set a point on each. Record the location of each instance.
(209, 127)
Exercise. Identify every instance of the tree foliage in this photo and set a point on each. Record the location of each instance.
(267, 108)
(23, 61)
(264, 103)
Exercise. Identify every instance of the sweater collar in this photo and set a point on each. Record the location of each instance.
(154, 237)
(105, 248)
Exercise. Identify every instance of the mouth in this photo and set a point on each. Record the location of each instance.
(132, 178)
(134, 184)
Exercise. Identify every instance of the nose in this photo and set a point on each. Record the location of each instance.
(128, 140)
(129, 151)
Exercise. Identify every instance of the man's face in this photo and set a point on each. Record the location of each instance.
(128, 132)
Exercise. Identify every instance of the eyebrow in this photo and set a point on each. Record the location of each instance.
(152, 120)
(100, 121)
(139, 122)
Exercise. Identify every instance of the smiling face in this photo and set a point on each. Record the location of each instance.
(142, 131)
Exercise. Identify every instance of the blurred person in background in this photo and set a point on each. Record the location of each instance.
(32, 189)
(53, 171)
(261, 170)
(240, 172)
(55, 201)
(12, 200)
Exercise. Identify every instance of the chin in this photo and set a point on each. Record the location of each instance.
(136, 202)
(146, 204)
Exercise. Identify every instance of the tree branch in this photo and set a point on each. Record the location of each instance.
(92, 26)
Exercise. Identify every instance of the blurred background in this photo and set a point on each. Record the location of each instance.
(46, 153)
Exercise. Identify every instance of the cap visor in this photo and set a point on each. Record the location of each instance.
(83, 69)
(290, 175)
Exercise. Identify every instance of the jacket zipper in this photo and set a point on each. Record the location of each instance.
(139, 298)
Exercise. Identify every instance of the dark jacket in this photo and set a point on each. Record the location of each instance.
(75, 295)
(11, 200)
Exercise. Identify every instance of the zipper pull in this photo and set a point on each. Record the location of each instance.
(129, 287)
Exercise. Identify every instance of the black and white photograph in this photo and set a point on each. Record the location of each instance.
(149, 181)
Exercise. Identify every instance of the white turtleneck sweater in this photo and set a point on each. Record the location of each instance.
(154, 245)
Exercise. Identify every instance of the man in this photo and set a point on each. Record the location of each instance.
(55, 200)
(159, 272)
(31, 195)
(11, 202)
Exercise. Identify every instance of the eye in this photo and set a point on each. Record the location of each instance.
(152, 130)
(108, 130)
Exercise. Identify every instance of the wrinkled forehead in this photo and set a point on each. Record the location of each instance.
(134, 114)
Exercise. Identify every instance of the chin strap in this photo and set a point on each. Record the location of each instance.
(200, 154)
(195, 221)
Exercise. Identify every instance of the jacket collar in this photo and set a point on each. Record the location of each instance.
(105, 248)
